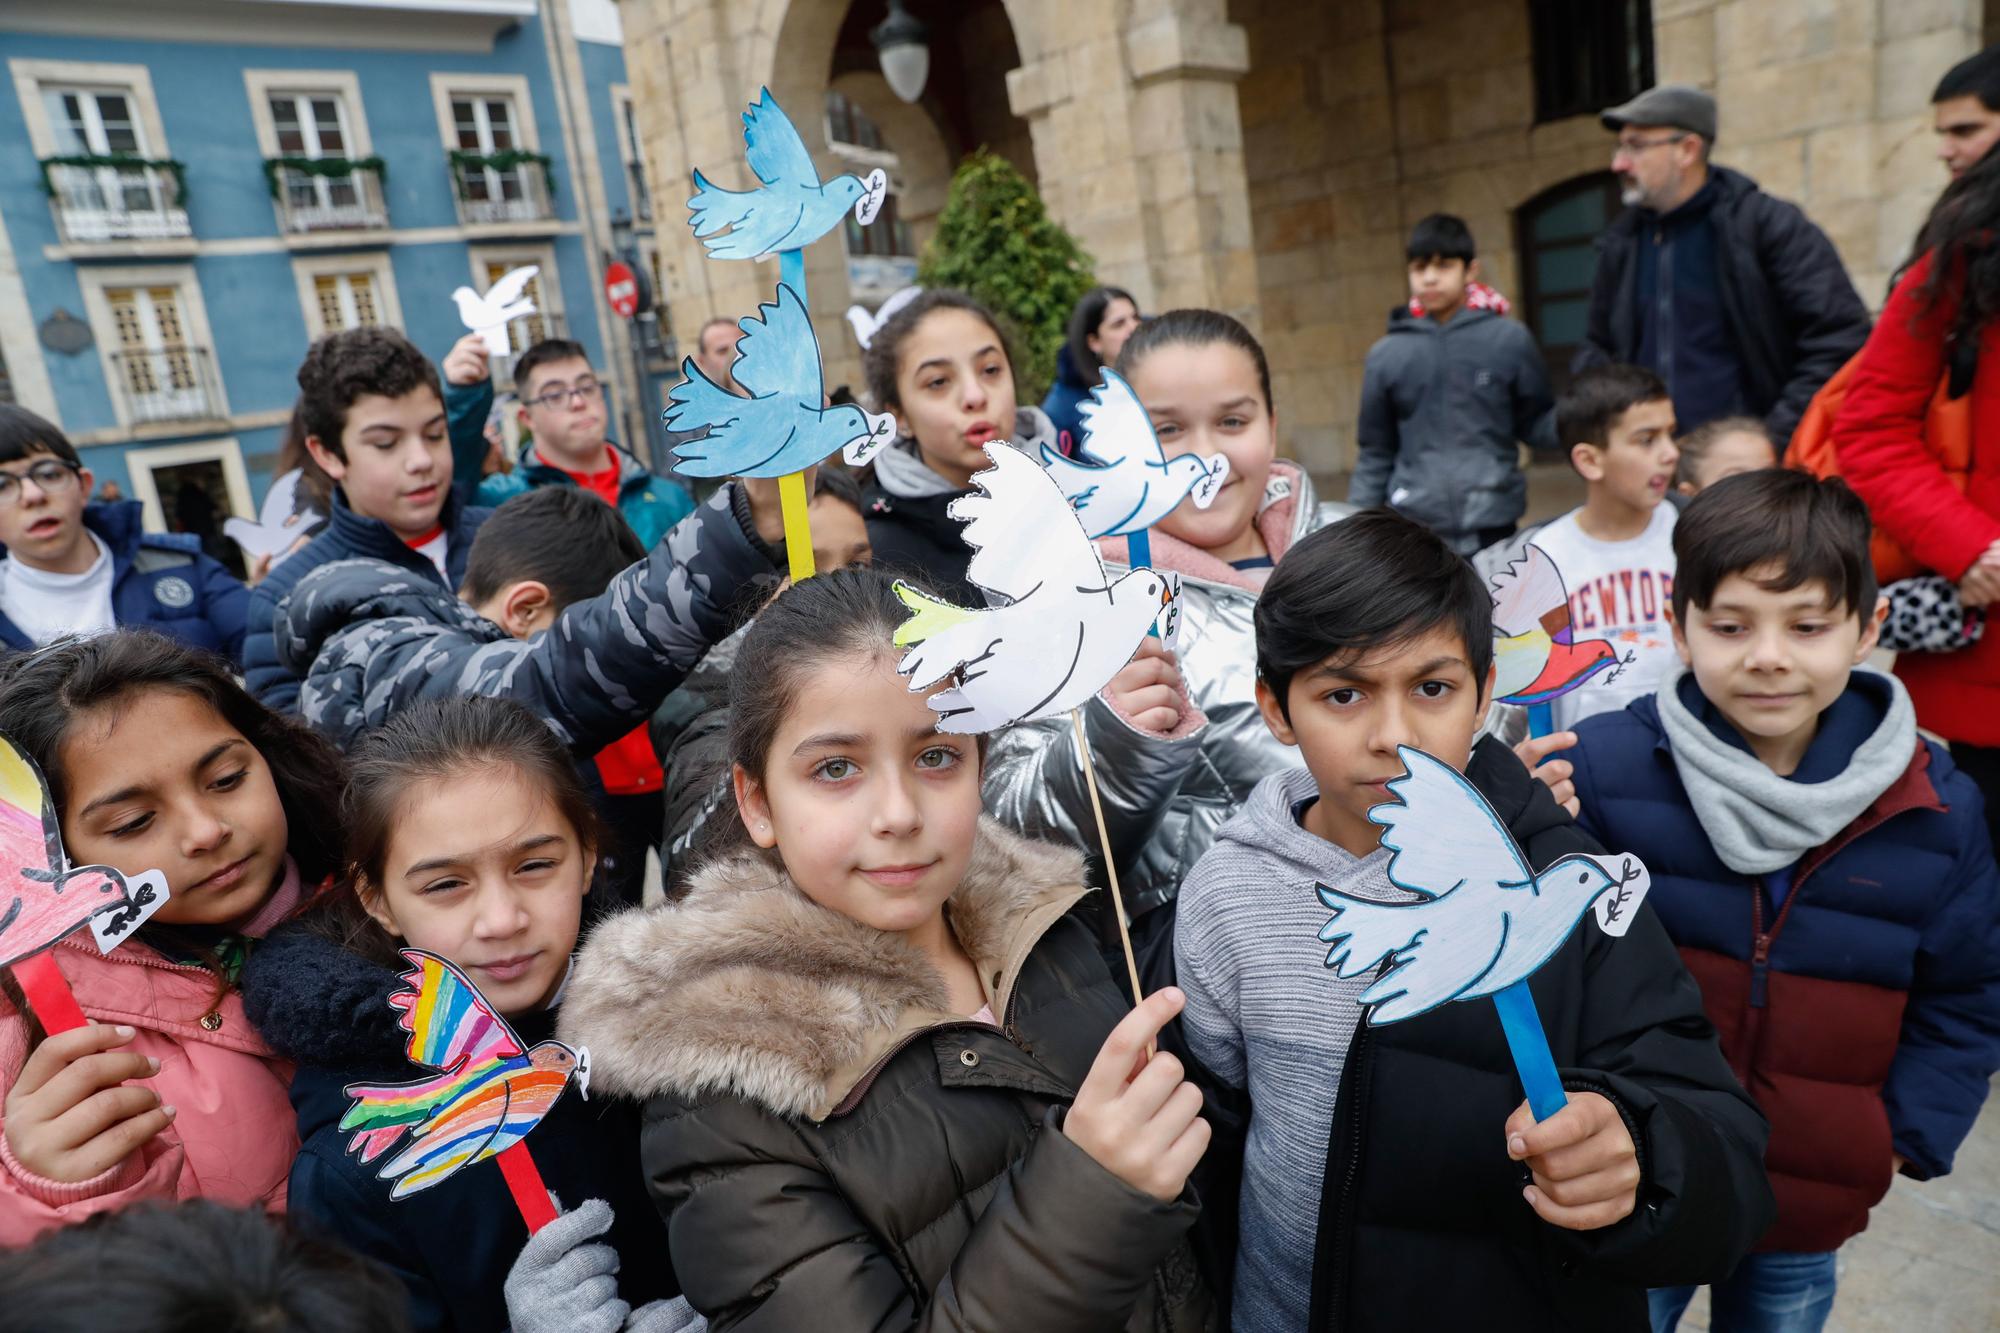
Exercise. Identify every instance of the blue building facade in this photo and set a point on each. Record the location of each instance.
(188, 203)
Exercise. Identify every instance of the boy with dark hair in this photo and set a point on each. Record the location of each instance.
(1615, 550)
(1377, 1159)
(1825, 870)
(564, 412)
(68, 566)
(1966, 110)
(374, 420)
(1446, 395)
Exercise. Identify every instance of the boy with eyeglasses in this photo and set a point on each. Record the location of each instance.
(563, 410)
(68, 566)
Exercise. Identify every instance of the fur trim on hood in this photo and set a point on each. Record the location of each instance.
(748, 988)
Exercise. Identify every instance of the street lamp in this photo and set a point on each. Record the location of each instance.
(902, 43)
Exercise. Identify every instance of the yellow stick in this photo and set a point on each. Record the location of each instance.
(798, 534)
(1110, 866)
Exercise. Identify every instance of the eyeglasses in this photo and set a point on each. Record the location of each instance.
(1634, 147)
(586, 391)
(51, 475)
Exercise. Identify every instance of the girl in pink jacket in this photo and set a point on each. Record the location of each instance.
(157, 759)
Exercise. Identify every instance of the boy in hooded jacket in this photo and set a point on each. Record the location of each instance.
(1446, 394)
(1374, 1158)
(1825, 871)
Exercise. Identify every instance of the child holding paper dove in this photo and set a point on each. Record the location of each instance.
(157, 759)
(1391, 1175)
(889, 1083)
(1825, 870)
(501, 897)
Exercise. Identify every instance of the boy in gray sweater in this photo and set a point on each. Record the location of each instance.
(1392, 1177)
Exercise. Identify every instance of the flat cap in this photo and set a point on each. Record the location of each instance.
(1676, 104)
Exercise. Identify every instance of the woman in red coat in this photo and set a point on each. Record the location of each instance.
(1939, 501)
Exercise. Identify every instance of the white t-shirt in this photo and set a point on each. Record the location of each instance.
(1619, 591)
(434, 551)
(46, 606)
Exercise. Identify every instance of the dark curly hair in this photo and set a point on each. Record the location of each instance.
(343, 366)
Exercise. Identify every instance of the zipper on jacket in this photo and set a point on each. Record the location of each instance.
(1349, 1114)
(1760, 948)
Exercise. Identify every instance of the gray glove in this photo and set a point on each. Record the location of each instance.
(564, 1283)
(674, 1316)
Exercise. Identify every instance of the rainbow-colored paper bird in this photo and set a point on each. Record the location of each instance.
(1535, 654)
(488, 1095)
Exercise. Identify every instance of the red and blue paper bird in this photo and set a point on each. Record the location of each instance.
(1536, 655)
(488, 1094)
(42, 899)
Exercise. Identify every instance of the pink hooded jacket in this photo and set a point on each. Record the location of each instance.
(234, 1136)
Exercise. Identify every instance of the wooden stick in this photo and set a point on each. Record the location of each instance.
(792, 501)
(48, 993)
(1110, 863)
(524, 1182)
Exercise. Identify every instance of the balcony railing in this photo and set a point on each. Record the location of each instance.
(99, 199)
(166, 385)
(502, 187)
(328, 194)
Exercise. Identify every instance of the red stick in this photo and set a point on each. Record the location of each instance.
(47, 990)
(524, 1182)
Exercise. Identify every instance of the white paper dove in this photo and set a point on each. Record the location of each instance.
(277, 525)
(1123, 482)
(865, 325)
(488, 315)
(1063, 628)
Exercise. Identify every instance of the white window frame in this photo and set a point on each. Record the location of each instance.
(33, 79)
(375, 263)
(141, 463)
(548, 283)
(95, 280)
(514, 87)
(344, 86)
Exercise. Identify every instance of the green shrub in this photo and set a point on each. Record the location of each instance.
(995, 240)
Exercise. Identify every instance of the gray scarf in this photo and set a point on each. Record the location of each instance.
(1760, 822)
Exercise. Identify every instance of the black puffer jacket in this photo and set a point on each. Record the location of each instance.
(1792, 311)
(835, 1150)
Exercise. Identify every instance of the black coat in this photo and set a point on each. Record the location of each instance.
(1792, 311)
(836, 1150)
(1422, 1224)
(453, 1244)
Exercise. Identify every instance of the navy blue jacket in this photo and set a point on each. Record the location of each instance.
(327, 1010)
(161, 581)
(347, 536)
(1064, 403)
(1863, 1013)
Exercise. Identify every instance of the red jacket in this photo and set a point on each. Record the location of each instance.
(1879, 439)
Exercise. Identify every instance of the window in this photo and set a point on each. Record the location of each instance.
(316, 115)
(1557, 232)
(489, 262)
(99, 123)
(481, 118)
(160, 375)
(1589, 54)
(846, 124)
(348, 290)
(313, 125)
(887, 235)
(628, 149)
(528, 330)
(346, 300)
(77, 109)
(485, 125)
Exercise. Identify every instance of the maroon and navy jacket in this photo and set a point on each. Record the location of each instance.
(1863, 1011)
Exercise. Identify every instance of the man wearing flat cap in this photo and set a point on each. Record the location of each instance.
(1732, 297)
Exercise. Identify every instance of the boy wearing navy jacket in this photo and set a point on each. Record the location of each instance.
(1825, 871)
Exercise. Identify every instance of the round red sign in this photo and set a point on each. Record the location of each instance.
(621, 288)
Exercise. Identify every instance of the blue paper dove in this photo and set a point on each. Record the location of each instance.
(1124, 483)
(782, 426)
(792, 209)
(1484, 920)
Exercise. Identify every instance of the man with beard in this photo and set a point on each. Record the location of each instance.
(1732, 297)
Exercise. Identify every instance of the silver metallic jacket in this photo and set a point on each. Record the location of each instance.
(1163, 799)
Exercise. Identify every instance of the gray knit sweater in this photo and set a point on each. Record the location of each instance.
(1264, 1012)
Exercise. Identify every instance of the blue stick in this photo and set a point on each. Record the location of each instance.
(1529, 1046)
(1139, 549)
(1541, 719)
(792, 272)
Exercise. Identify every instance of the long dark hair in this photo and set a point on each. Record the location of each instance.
(434, 741)
(1085, 320)
(43, 693)
(1195, 328)
(883, 357)
(1960, 235)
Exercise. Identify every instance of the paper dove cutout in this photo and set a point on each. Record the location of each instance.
(488, 1094)
(487, 315)
(1125, 483)
(781, 427)
(1535, 654)
(866, 325)
(42, 898)
(791, 209)
(277, 525)
(1482, 919)
(1065, 628)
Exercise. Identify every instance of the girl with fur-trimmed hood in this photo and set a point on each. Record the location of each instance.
(888, 1082)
